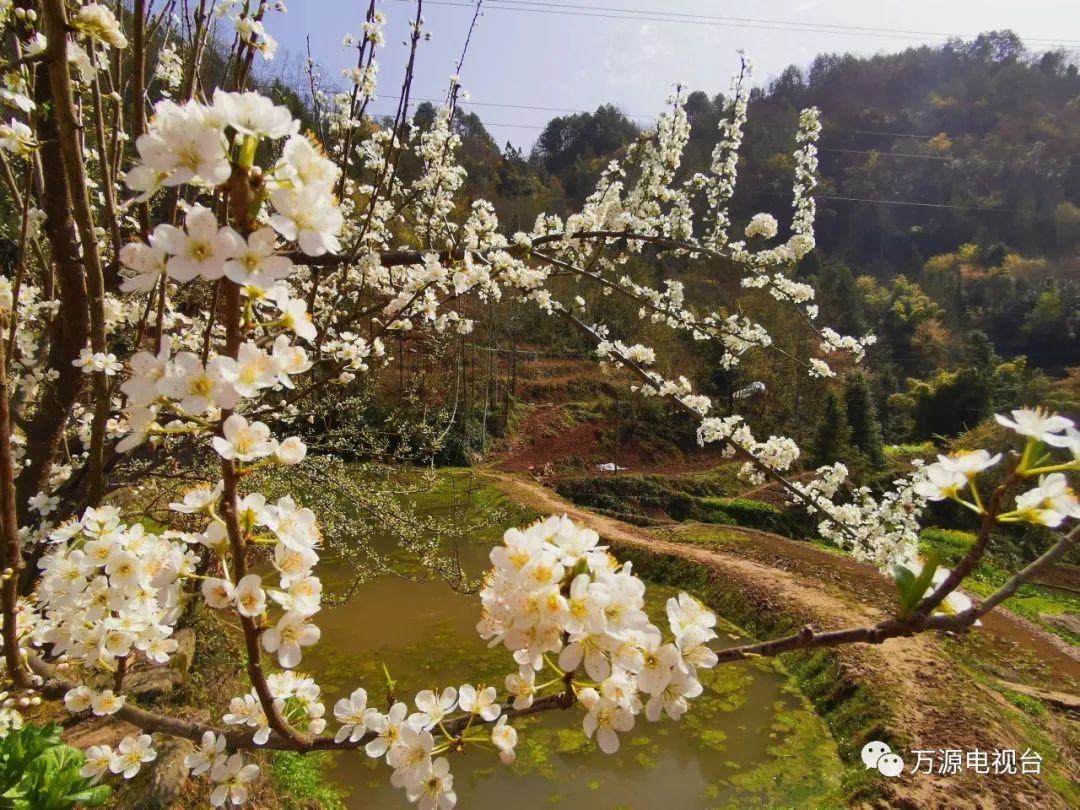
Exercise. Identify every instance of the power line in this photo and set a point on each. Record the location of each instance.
(451, 91)
(885, 154)
(916, 204)
(896, 202)
(890, 134)
(516, 126)
(645, 16)
(757, 20)
(469, 102)
(838, 197)
(820, 148)
(546, 109)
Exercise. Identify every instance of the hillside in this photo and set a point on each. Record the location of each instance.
(948, 226)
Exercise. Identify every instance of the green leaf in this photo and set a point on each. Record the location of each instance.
(39, 772)
(922, 583)
(913, 588)
(94, 796)
(904, 580)
(18, 749)
(61, 758)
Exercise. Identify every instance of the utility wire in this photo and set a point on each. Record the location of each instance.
(487, 124)
(865, 200)
(844, 198)
(451, 92)
(886, 154)
(646, 16)
(915, 204)
(527, 107)
(570, 110)
(725, 18)
(895, 202)
(875, 132)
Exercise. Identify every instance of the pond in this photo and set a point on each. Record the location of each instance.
(750, 740)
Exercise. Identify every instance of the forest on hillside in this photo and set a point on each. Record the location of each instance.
(948, 226)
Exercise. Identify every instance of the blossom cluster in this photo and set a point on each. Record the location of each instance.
(407, 740)
(196, 393)
(191, 143)
(110, 590)
(554, 591)
(247, 20)
(777, 453)
(229, 774)
(1050, 502)
(879, 529)
(295, 538)
(296, 697)
(719, 184)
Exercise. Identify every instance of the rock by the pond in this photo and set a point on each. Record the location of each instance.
(162, 784)
(151, 683)
(99, 731)
(1063, 621)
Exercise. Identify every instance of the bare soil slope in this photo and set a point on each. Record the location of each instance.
(935, 703)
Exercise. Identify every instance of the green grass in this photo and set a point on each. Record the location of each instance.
(711, 535)
(462, 489)
(1038, 728)
(300, 779)
(910, 450)
(574, 413)
(1026, 703)
(516, 415)
(714, 534)
(950, 544)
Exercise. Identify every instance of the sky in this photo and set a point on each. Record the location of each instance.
(571, 55)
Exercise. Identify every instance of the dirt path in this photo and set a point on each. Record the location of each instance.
(1016, 644)
(930, 696)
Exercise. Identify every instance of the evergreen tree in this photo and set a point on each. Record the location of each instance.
(841, 302)
(833, 440)
(809, 266)
(863, 421)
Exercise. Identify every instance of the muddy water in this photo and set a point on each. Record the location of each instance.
(749, 740)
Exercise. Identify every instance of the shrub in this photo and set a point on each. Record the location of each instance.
(716, 483)
(641, 499)
(911, 450)
(950, 544)
(39, 772)
(753, 515)
(619, 493)
(681, 506)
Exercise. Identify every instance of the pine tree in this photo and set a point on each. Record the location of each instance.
(833, 440)
(863, 421)
(841, 301)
